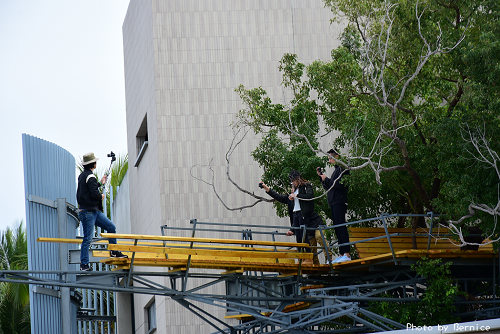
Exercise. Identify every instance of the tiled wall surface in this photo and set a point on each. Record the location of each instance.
(183, 60)
(140, 88)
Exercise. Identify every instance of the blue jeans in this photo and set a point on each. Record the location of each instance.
(90, 219)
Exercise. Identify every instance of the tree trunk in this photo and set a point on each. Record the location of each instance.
(401, 222)
(417, 222)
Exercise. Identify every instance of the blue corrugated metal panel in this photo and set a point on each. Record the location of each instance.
(49, 172)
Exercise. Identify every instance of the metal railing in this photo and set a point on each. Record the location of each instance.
(272, 232)
(383, 218)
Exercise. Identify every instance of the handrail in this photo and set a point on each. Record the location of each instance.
(202, 240)
(272, 231)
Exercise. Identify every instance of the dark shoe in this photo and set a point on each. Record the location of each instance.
(118, 254)
(85, 267)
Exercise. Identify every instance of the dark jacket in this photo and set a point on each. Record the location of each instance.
(87, 194)
(338, 194)
(311, 218)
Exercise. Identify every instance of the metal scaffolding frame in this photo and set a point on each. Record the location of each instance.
(266, 307)
(332, 302)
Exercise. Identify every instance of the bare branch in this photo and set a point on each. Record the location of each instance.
(232, 147)
(486, 155)
(211, 182)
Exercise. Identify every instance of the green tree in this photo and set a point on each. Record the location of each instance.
(411, 89)
(436, 303)
(118, 171)
(14, 298)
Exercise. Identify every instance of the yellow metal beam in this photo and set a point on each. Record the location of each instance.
(283, 268)
(209, 252)
(230, 255)
(159, 244)
(63, 240)
(154, 256)
(204, 240)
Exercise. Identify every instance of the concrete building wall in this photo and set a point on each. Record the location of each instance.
(140, 87)
(183, 60)
(204, 50)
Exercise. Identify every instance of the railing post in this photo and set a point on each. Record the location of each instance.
(184, 283)
(273, 237)
(163, 227)
(430, 230)
(63, 263)
(325, 245)
(388, 237)
(131, 269)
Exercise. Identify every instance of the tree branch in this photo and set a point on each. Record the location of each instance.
(211, 182)
(486, 155)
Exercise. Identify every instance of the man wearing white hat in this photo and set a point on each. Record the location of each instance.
(89, 199)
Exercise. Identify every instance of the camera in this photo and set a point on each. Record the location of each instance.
(320, 170)
(112, 156)
(261, 185)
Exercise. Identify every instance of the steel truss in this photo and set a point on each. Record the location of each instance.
(262, 298)
(336, 302)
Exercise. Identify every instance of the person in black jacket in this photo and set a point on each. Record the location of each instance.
(300, 209)
(89, 199)
(337, 200)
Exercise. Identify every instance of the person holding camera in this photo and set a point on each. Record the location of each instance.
(89, 199)
(337, 201)
(300, 209)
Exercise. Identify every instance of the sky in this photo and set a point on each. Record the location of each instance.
(62, 80)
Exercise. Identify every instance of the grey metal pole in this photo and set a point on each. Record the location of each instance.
(326, 247)
(184, 281)
(63, 265)
(430, 230)
(388, 237)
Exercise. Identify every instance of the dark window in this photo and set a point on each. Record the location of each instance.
(151, 316)
(141, 140)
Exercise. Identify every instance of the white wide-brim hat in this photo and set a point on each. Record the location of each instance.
(89, 158)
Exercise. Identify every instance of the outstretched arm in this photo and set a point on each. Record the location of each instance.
(280, 198)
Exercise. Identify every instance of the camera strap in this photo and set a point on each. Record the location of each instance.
(88, 177)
